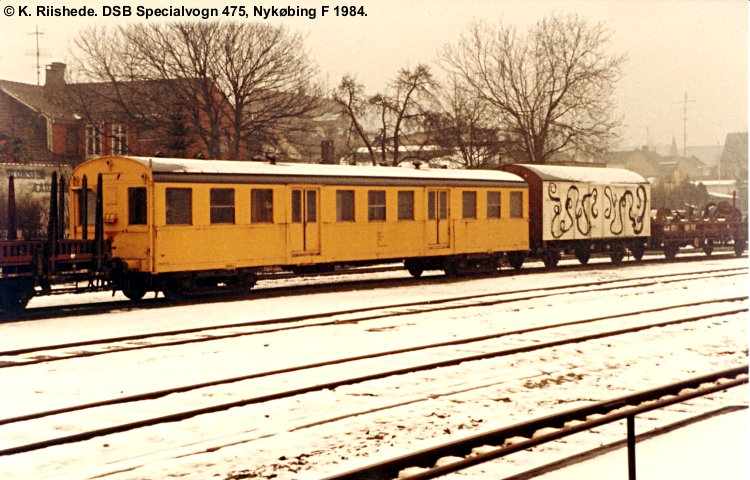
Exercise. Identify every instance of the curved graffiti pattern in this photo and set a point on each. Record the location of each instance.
(575, 211)
(587, 213)
(580, 211)
(637, 214)
(555, 225)
(570, 204)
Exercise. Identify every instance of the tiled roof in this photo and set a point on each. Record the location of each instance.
(65, 103)
(34, 98)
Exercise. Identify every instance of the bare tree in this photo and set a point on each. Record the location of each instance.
(550, 90)
(269, 81)
(463, 123)
(412, 89)
(350, 95)
(133, 83)
(233, 85)
(402, 107)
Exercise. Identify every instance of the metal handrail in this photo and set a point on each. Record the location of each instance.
(564, 424)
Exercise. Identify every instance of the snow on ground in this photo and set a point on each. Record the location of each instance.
(465, 400)
(713, 448)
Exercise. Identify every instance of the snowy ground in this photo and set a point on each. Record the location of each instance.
(714, 448)
(329, 431)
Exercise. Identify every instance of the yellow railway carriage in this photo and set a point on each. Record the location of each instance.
(178, 225)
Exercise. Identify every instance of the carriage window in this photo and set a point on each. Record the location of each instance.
(137, 206)
(493, 204)
(469, 204)
(516, 204)
(376, 205)
(179, 206)
(90, 207)
(437, 205)
(222, 205)
(311, 207)
(344, 205)
(310, 203)
(261, 205)
(406, 205)
(296, 206)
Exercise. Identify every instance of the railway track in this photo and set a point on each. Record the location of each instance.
(319, 283)
(367, 395)
(13, 427)
(107, 346)
(466, 452)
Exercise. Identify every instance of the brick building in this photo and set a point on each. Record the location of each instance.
(63, 124)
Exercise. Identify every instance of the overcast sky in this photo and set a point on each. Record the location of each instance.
(674, 47)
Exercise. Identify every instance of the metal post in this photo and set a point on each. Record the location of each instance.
(99, 224)
(61, 209)
(631, 447)
(52, 225)
(84, 210)
(12, 228)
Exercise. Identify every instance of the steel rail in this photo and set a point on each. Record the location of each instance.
(565, 423)
(103, 307)
(186, 388)
(298, 318)
(190, 341)
(335, 384)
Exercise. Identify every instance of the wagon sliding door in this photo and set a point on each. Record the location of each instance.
(305, 225)
(438, 228)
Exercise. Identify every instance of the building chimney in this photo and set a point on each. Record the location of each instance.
(327, 153)
(54, 75)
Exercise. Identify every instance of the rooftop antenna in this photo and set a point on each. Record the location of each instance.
(684, 124)
(38, 64)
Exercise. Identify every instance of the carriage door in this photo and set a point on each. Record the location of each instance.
(438, 228)
(305, 226)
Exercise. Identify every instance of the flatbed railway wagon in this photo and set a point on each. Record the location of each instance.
(716, 225)
(581, 210)
(32, 267)
(178, 225)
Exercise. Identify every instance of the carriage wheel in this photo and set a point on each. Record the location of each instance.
(415, 272)
(453, 267)
(174, 288)
(670, 251)
(415, 268)
(515, 259)
(14, 298)
(134, 287)
(583, 252)
(617, 253)
(637, 249)
(249, 280)
(551, 257)
(739, 246)
(708, 247)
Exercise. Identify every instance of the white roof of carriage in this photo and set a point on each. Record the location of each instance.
(230, 167)
(596, 175)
